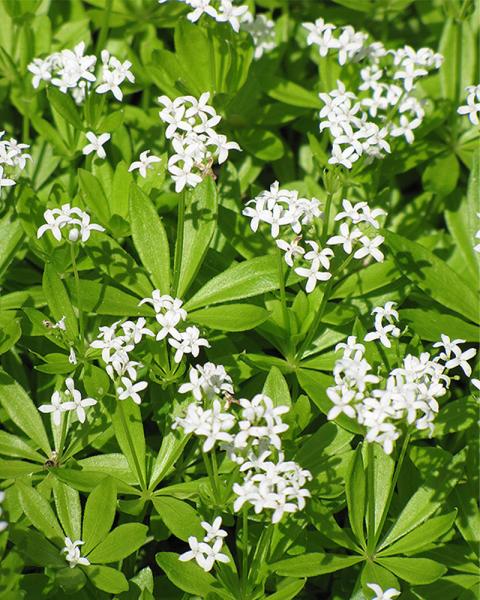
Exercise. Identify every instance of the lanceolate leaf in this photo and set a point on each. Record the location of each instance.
(311, 565)
(355, 491)
(58, 300)
(230, 317)
(414, 570)
(99, 513)
(199, 227)
(21, 410)
(40, 513)
(69, 511)
(188, 576)
(181, 518)
(150, 238)
(119, 543)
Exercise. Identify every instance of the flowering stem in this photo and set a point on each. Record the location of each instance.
(131, 445)
(283, 296)
(179, 242)
(371, 498)
(318, 319)
(244, 551)
(211, 476)
(396, 474)
(102, 38)
(215, 474)
(77, 287)
(63, 434)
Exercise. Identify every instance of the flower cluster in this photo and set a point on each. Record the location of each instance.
(116, 347)
(12, 157)
(249, 439)
(385, 105)
(208, 380)
(3, 524)
(238, 17)
(169, 313)
(73, 220)
(72, 552)
(74, 401)
(472, 107)
(207, 552)
(407, 396)
(74, 71)
(196, 144)
(382, 331)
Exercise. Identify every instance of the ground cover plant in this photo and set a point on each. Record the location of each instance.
(239, 258)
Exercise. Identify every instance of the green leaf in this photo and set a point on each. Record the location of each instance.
(94, 196)
(150, 238)
(170, 450)
(11, 239)
(107, 300)
(21, 410)
(40, 513)
(262, 143)
(10, 330)
(230, 317)
(47, 131)
(113, 260)
(187, 576)
(418, 571)
(429, 497)
(277, 388)
(39, 551)
(313, 564)
(242, 280)
(128, 427)
(12, 445)
(107, 579)
(182, 520)
(430, 324)
(11, 469)
(383, 466)
(58, 300)
(199, 227)
(287, 589)
(65, 107)
(422, 536)
(433, 276)
(120, 543)
(291, 93)
(99, 513)
(355, 491)
(69, 511)
(441, 175)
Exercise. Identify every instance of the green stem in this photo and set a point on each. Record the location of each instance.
(211, 477)
(244, 551)
(396, 474)
(215, 474)
(102, 38)
(63, 435)
(317, 320)
(77, 287)
(371, 498)
(179, 242)
(131, 445)
(326, 218)
(283, 297)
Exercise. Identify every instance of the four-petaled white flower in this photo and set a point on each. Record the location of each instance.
(388, 594)
(55, 407)
(144, 162)
(72, 552)
(77, 403)
(96, 144)
(130, 390)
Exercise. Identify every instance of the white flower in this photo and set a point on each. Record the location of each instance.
(111, 83)
(229, 13)
(383, 595)
(291, 250)
(209, 380)
(72, 357)
(77, 222)
(72, 552)
(60, 324)
(144, 162)
(56, 407)
(5, 181)
(262, 31)
(213, 531)
(313, 275)
(341, 397)
(189, 343)
(472, 108)
(96, 144)
(212, 555)
(346, 238)
(130, 390)
(460, 360)
(77, 403)
(370, 248)
(134, 331)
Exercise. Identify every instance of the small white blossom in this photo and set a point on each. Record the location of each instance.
(96, 144)
(388, 594)
(72, 552)
(144, 162)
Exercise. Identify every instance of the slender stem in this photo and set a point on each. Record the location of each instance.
(179, 241)
(215, 474)
(102, 38)
(63, 434)
(326, 218)
(283, 296)
(211, 477)
(131, 445)
(371, 498)
(396, 474)
(77, 287)
(244, 551)
(318, 319)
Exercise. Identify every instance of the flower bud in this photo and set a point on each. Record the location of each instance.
(73, 235)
